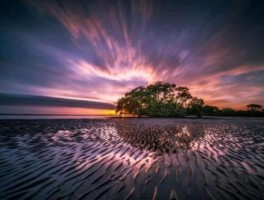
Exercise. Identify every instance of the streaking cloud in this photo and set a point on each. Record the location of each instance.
(112, 36)
(98, 50)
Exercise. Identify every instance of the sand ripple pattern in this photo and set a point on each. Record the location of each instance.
(132, 159)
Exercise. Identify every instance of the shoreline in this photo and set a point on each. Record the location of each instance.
(110, 158)
(84, 117)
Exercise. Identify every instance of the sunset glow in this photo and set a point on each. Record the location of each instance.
(96, 51)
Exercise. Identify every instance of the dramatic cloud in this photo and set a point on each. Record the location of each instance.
(30, 100)
(31, 104)
(98, 50)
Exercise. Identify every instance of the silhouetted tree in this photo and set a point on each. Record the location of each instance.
(183, 95)
(210, 110)
(254, 107)
(168, 100)
(159, 99)
(196, 106)
(228, 111)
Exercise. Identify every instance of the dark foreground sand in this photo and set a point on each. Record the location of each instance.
(132, 159)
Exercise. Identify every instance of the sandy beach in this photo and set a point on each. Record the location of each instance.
(148, 158)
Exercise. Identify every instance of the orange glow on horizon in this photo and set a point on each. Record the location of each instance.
(84, 111)
(42, 110)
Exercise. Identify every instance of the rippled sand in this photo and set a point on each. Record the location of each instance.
(132, 159)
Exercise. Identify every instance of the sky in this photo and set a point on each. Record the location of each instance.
(80, 56)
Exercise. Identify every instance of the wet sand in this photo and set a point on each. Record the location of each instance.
(132, 159)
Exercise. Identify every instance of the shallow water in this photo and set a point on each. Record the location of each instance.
(132, 159)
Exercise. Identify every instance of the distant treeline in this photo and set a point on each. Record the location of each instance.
(253, 110)
(168, 100)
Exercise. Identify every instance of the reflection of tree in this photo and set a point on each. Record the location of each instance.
(162, 139)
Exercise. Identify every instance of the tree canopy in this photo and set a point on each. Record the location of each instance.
(254, 107)
(160, 100)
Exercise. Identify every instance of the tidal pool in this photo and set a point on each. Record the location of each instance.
(213, 158)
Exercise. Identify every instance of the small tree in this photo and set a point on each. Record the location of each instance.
(228, 111)
(210, 110)
(183, 95)
(196, 106)
(254, 107)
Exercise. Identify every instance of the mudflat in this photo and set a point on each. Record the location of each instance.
(150, 158)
